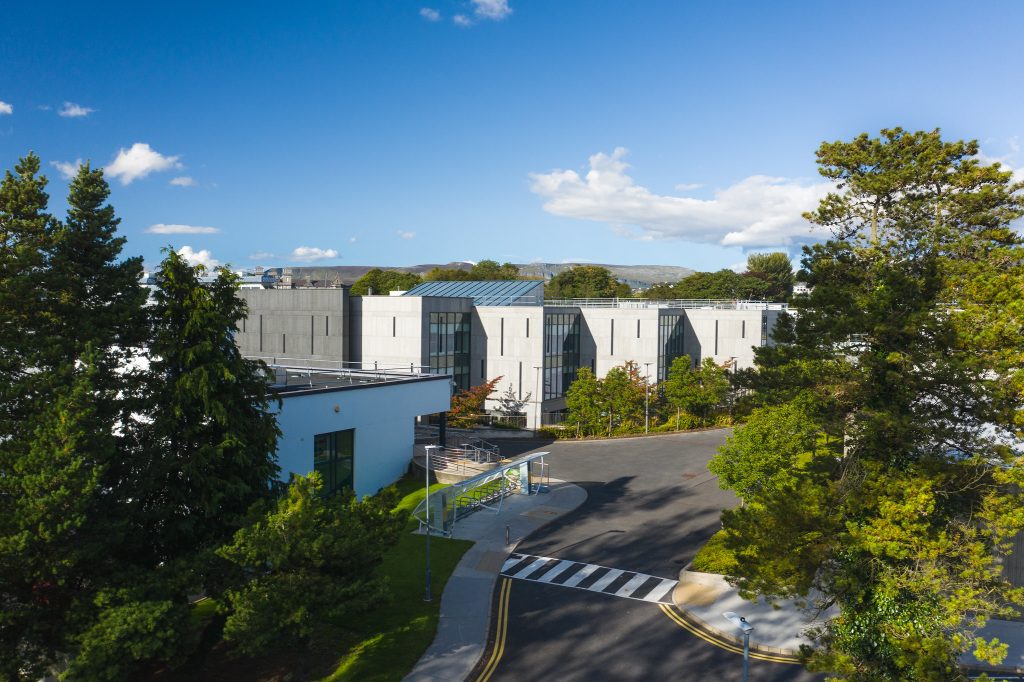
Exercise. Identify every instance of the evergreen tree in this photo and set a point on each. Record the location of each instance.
(310, 559)
(24, 237)
(95, 298)
(211, 442)
(900, 497)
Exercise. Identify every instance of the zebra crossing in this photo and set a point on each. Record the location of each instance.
(568, 573)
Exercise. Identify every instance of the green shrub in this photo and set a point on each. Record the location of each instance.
(715, 557)
(557, 432)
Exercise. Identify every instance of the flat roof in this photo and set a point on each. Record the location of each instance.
(291, 380)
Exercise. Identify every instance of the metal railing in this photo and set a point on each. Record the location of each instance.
(299, 371)
(645, 303)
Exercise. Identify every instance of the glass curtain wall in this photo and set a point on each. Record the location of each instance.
(561, 352)
(333, 459)
(671, 331)
(449, 347)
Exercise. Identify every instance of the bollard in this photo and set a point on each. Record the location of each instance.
(507, 536)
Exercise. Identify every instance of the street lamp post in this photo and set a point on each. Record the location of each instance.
(647, 396)
(426, 594)
(741, 622)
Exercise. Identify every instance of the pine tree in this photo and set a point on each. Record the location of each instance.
(900, 497)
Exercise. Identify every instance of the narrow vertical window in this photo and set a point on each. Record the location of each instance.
(327, 325)
(612, 349)
(716, 337)
(527, 327)
(501, 336)
(243, 324)
(638, 329)
(483, 368)
(312, 332)
(593, 367)
(261, 333)
(394, 326)
(743, 329)
(284, 343)
(521, 373)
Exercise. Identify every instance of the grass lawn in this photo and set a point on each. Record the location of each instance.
(392, 637)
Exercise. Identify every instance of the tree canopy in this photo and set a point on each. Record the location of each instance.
(383, 282)
(884, 478)
(720, 285)
(775, 269)
(484, 270)
(585, 281)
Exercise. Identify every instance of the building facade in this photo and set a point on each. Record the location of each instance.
(473, 332)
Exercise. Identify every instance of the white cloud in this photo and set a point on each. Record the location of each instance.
(462, 20)
(430, 14)
(353, 240)
(67, 169)
(495, 10)
(161, 228)
(262, 255)
(139, 161)
(72, 110)
(6, 108)
(203, 257)
(688, 186)
(183, 181)
(405, 234)
(757, 211)
(311, 253)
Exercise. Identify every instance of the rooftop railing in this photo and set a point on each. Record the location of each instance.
(645, 303)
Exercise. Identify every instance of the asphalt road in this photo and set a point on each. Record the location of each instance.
(651, 505)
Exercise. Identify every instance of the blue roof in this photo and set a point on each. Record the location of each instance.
(497, 292)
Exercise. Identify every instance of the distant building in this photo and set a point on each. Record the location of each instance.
(475, 331)
(801, 289)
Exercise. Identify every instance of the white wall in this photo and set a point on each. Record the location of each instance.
(382, 416)
(610, 351)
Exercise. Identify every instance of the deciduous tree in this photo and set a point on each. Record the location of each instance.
(585, 281)
(382, 282)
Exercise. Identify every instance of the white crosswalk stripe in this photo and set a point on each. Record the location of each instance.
(614, 582)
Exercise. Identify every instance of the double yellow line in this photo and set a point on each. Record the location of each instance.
(499, 637)
(721, 643)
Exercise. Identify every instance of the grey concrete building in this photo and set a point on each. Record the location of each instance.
(476, 331)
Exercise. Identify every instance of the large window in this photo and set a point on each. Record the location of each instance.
(671, 330)
(333, 459)
(561, 352)
(449, 347)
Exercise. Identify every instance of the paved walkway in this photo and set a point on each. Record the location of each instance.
(465, 605)
(704, 597)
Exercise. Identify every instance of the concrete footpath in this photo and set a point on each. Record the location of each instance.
(466, 603)
(704, 597)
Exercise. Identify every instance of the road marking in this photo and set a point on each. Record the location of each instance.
(554, 572)
(591, 577)
(499, 636)
(721, 643)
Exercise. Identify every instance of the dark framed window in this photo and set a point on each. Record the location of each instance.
(334, 459)
(671, 332)
(449, 347)
(561, 352)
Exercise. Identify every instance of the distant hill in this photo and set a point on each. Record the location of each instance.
(636, 276)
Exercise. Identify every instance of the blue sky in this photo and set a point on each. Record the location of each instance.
(408, 132)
